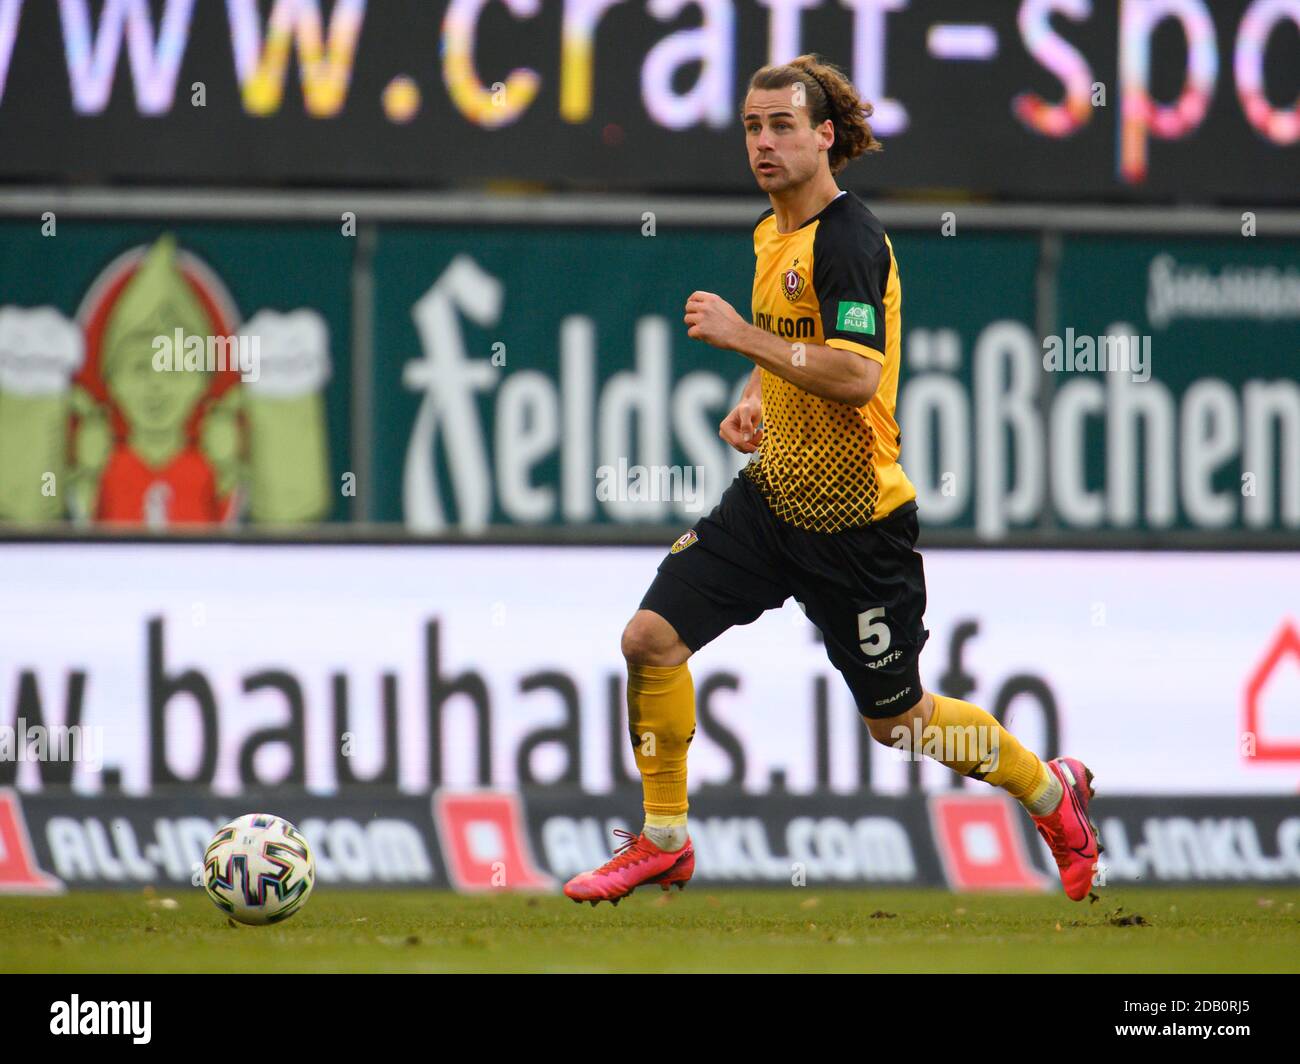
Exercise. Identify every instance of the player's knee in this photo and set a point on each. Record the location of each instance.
(650, 640)
(902, 727)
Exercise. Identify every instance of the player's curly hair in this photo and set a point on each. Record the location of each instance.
(829, 94)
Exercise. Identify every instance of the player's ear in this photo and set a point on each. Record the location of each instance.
(826, 135)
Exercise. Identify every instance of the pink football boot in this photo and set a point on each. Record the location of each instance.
(1069, 833)
(635, 863)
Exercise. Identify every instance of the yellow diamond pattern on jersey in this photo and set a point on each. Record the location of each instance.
(815, 468)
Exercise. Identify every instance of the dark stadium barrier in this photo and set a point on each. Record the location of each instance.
(482, 841)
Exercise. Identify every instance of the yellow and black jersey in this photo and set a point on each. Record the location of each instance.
(825, 466)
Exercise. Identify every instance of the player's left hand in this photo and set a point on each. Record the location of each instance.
(712, 319)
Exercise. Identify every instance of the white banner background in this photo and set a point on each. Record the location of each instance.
(1147, 655)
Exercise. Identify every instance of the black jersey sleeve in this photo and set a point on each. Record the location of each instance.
(851, 263)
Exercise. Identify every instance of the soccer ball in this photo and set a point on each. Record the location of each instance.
(259, 869)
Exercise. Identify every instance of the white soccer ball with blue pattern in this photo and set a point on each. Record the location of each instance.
(259, 869)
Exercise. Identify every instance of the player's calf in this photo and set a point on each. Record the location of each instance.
(972, 742)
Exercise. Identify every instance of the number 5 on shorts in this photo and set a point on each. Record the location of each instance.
(873, 632)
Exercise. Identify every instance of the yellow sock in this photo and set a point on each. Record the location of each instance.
(971, 742)
(661, 717)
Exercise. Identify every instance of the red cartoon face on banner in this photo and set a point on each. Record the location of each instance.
(103, 297)
(147, 442)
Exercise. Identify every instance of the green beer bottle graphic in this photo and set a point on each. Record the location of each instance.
(285, 365)
(40, 350)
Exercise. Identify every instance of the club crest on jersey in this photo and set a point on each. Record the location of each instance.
(792, 284)
(683, 541)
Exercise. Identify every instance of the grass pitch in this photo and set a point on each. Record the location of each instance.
(698, 930)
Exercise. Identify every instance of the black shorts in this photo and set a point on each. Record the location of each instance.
(864, 588)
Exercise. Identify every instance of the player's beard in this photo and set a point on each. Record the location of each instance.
(784, 179)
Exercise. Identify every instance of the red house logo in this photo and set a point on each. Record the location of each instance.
(485, 843)
(980, 844)
(1286, 645)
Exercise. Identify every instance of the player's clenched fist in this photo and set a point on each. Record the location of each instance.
(742, 428)
(712, 319)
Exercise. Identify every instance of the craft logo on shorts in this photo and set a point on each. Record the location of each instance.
(683, 541)
(792, 283)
